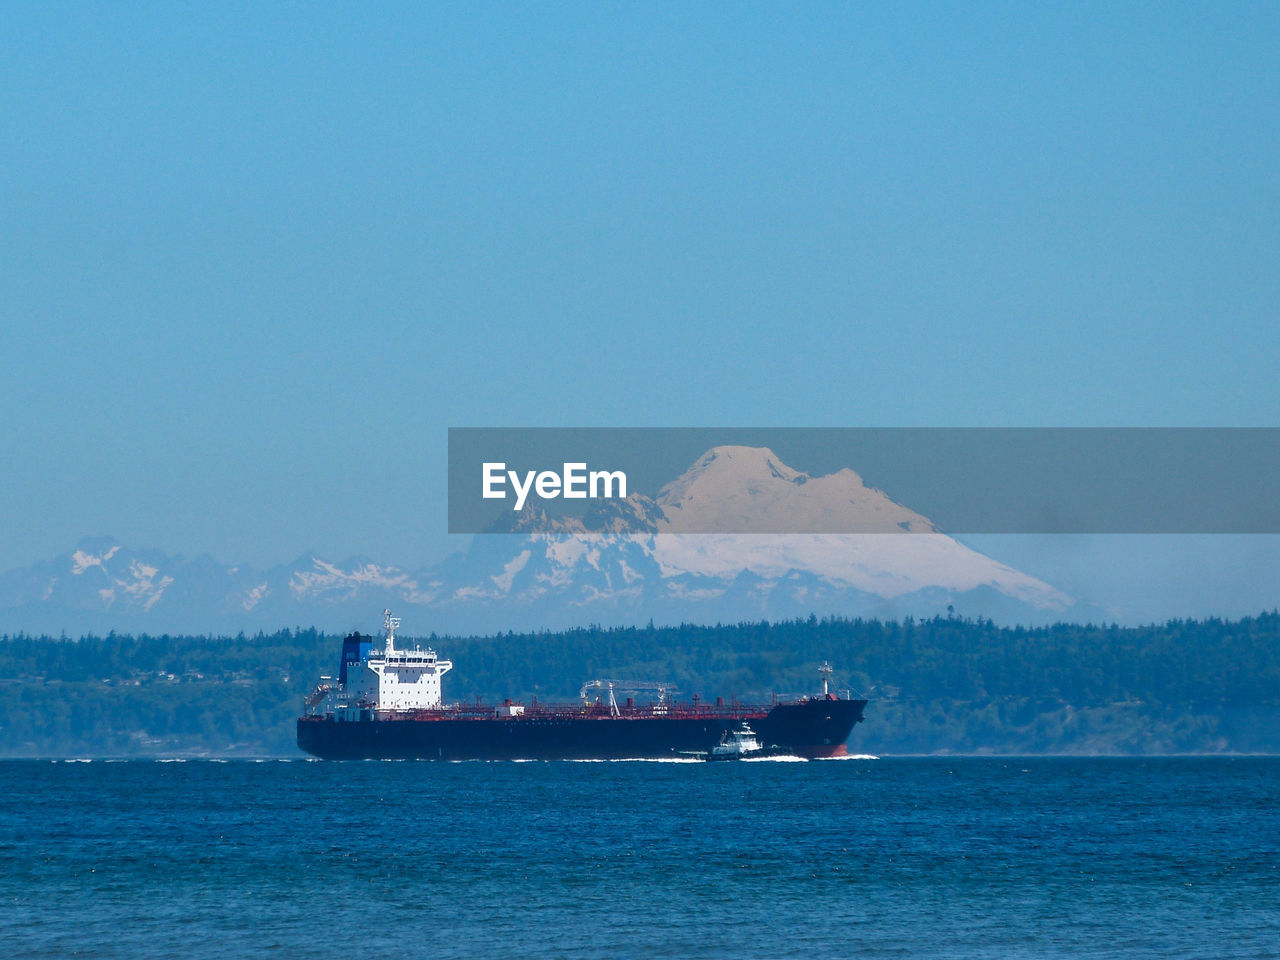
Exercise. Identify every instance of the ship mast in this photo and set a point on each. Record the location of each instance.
(826, 670)
(390, 624)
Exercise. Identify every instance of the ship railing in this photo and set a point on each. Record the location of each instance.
(637, 711)
(460, 711)
(681, 711)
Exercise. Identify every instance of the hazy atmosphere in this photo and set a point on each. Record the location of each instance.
(256, 261)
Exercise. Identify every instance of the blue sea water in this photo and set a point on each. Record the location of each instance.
(874, 858)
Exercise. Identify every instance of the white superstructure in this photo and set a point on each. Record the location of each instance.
(735, 744)
(393, 679)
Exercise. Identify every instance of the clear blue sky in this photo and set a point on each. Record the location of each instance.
(255, 259)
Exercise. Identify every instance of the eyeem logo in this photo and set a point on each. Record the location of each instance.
(574, 482)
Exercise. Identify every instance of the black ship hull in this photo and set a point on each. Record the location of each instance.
(808, 728)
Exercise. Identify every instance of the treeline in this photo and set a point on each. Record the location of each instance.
(941, 685)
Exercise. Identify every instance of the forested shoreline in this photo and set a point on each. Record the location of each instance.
(943, 685)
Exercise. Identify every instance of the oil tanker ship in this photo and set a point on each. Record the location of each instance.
(386, 703)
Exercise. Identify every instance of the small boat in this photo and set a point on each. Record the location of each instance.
(736, 744)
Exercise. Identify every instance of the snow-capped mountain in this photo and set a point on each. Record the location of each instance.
(103, 585)
(585, 570)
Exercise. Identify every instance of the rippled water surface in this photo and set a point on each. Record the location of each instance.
(891, 857)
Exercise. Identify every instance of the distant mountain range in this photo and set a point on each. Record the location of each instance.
(583, 571)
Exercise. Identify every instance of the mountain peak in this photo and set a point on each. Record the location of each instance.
(734, 489)
(745, 461)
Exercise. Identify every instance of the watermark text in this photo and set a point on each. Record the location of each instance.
(573, 482)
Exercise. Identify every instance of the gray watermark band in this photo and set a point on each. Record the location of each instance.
(865, 480)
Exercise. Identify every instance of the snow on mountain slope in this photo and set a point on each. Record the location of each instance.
(884, 565)
(103, 585)
(325, 581)
(97, 572)
(748, 489)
